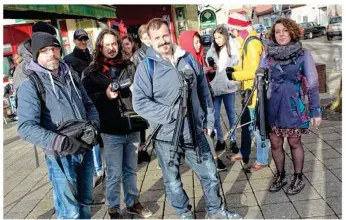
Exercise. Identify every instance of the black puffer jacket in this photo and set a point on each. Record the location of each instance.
(79, 60)
(113, 112)
(139, 55)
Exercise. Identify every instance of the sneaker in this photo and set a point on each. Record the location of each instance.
(187, 215)
(113, 213)
(220, 165)
(278, 183)
(296, 185)
(225, 214)
(138, 209)
(220, 145)
(233, 147)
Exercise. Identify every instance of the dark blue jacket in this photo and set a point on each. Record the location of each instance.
(64, 101)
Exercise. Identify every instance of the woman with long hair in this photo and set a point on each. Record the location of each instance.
(191, 42)
(129, 46)
(292, 71)
(224, 52)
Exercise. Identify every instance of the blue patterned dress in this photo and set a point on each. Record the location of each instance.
(286, 111)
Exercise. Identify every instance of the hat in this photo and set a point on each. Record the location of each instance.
(41, 26)
(79, 34)
(41, 40)
(239, 20)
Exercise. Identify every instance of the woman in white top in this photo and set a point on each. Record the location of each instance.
(224, 52)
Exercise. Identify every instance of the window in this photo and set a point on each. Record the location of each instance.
(305, 18)
(266, 22)
(335, 20)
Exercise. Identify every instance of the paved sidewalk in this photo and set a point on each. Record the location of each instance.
(28, 192)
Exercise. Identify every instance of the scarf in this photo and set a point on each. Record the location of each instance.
(284, 54)
(118, 63)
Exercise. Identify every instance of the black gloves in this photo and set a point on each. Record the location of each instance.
(72, 146)
(229, 72)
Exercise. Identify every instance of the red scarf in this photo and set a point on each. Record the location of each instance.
(107, 63)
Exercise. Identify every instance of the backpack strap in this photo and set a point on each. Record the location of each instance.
(150, 67)
(247, 41)
(39, 87)
(188, 58)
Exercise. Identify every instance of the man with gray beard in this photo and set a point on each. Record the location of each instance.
(69, 159)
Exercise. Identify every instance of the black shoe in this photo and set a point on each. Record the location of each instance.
(279, 182)
(113, 213)
(220, 146)
(296, 185)
(233, 147)
(220, 165)
(246, 160)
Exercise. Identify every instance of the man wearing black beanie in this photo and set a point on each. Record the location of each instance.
(69, 159)
(24, 51)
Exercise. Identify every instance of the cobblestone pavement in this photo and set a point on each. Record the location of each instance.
(28, 192)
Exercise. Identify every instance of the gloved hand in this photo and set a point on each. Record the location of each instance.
(229, 72)
(73, 146)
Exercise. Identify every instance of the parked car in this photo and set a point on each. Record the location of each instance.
(207, 40)
(334, 27)
(311, 29)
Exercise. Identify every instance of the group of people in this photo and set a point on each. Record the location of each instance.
(120, 89)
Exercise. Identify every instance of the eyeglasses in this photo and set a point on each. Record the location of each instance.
(47, 49)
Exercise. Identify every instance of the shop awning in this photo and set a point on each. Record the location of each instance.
(93, 11)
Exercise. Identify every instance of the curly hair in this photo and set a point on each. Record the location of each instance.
(292, 27)
(98, 57)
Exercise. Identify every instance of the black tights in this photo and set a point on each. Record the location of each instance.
(278, 153)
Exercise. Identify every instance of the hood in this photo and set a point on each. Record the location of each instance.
(186, 43)
(63, 70)
(177, 53)
(24, 50)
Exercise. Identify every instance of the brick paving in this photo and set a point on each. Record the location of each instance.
(28, 192)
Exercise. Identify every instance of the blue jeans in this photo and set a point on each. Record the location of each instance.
(79, 171)
(229, 102)
(13, 103)
(247, 134)
(206, 172)
(121, 160)
(97, 159)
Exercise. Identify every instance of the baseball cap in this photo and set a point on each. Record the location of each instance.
(79, 34)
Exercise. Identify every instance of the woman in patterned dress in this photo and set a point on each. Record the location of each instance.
(292, 71)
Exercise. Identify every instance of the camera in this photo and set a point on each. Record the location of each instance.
(117, 85)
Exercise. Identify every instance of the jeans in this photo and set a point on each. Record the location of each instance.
(13, 104)
(229, 102)
(247, 134)
(97, 160)
(206, 172)
(121, 159)
(79, 172)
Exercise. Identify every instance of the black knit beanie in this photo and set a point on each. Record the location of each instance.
(41, 40)
(41, 26)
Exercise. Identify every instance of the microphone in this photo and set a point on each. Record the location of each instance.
(188, 75)
(229, 71)
(261, 72)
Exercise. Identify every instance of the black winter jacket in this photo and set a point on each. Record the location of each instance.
(79, 60)
(113, 113)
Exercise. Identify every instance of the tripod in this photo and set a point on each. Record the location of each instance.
(261, 83)
(185, 107)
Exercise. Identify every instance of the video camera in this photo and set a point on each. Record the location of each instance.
(118, 85)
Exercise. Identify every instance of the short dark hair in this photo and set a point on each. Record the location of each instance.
(156, 24)
(292, 27)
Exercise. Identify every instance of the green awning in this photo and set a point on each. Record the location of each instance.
(94, 11)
